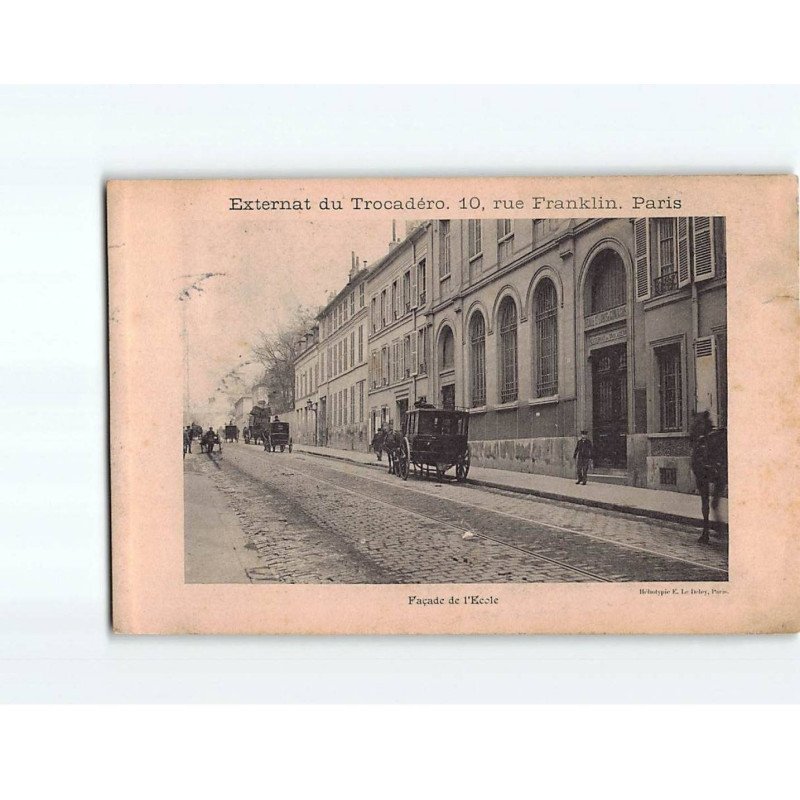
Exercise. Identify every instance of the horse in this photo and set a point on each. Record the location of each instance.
(710, 468)
(392, 442)
(377, 443)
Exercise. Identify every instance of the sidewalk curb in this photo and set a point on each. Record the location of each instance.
(379, 464)
(695, 522)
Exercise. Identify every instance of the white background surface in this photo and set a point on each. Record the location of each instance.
(59, 145)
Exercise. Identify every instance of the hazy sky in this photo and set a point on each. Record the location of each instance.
(270, 266)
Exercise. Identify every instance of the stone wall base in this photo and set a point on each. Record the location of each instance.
(677, 466)
(542, 456)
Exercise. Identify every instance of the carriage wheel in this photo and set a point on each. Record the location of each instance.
(404, 459)
(462, 467)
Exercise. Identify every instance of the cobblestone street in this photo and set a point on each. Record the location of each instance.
(308, 520)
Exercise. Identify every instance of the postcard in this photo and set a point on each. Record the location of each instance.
(454, 405)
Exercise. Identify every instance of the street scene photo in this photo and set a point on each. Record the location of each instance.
(428, 401)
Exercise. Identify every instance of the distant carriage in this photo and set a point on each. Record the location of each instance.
(257, 430)
(208, 440)
(432, 438)
(231, 433)
(278, 437)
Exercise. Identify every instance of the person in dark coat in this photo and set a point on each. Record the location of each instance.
(583, 455)
(709, 465)
(377, 442)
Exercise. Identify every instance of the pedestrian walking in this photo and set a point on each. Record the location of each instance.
(583, 455)
(377, 442)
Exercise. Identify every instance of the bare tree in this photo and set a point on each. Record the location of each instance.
(277, 352)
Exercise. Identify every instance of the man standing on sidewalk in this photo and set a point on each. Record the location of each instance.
(583, 454)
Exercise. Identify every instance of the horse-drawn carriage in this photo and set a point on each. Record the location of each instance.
(278, 437)
(231, 433)
(257, 429)
(208, 440)
(431, 437)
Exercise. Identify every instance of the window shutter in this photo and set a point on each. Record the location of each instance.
(684, 268)
(413, 366)
(414, 299)
(641, 239)
(705, 361)
(703, 243)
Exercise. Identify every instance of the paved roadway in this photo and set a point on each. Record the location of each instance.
(304, 519)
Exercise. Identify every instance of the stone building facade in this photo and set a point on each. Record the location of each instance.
(306, 394)
(241, 409)
(331, 371)
(399, 328)
(544, 327)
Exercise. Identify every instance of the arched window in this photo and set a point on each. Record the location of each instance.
(545, 306)
(477, 359)
(446, 349)
(508, 351)
(607, 283)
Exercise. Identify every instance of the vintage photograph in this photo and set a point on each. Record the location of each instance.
(455, 401)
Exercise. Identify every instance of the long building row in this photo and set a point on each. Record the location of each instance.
(541, 328)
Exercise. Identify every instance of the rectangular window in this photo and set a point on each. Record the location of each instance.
(374, 369)
(361, 401)
(422, 350)
(474, 235)
(665, 268)
(360, 343)
(352, 404)
(373, 315)
(505, 239)
(407, 290)
(444, 248)
(361, 296)
(344, 406)
(670, 386)
(421, 282)
(352, 303)
(395, 313)
(352, 349)
(407, 365)
(383, 308)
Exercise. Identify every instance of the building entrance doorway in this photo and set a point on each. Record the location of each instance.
(402, 407)
(610, 405)
(449, 396)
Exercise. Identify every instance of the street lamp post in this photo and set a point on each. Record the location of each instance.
(311, 406)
